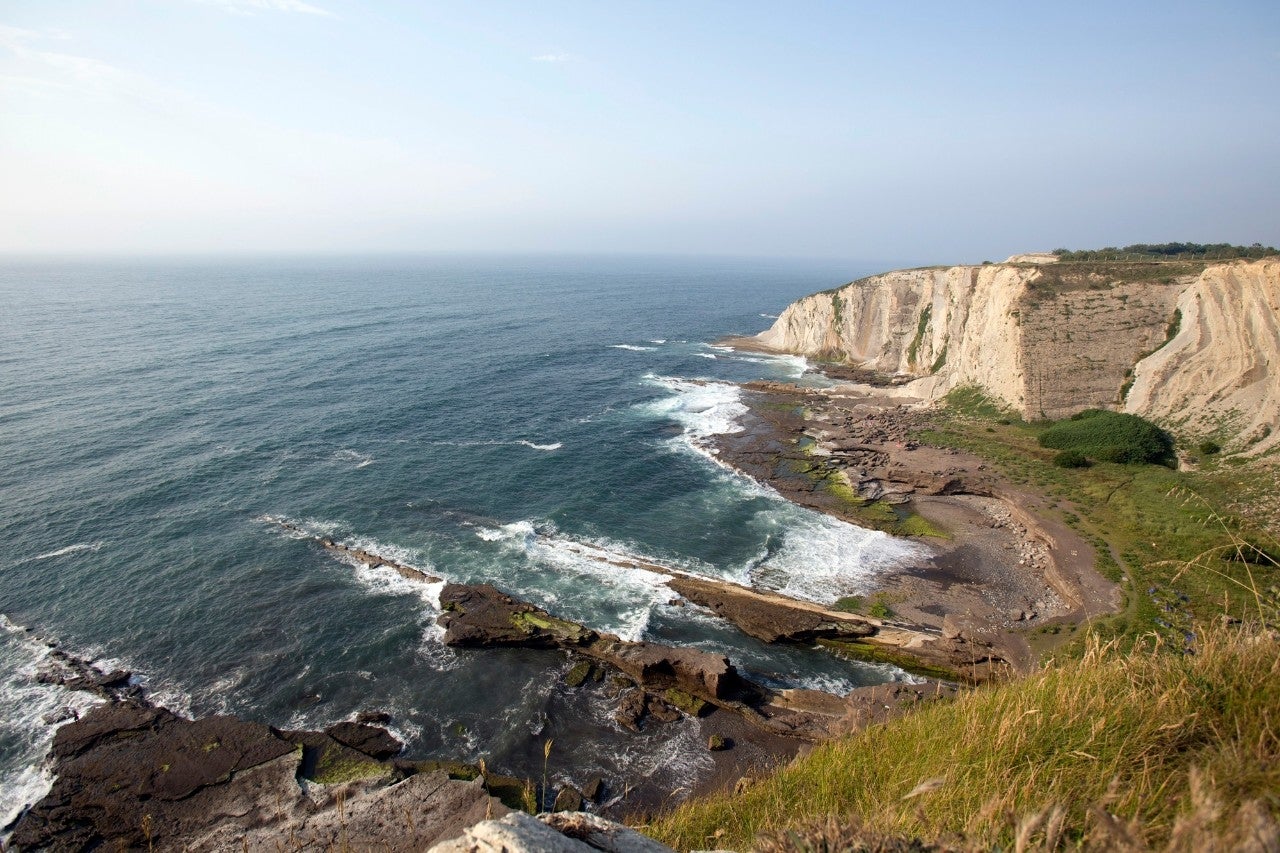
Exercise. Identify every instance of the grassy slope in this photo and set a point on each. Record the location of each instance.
(1161, 532)
(1107, 708)
(1118, 728)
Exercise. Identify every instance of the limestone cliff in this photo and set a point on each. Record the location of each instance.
(1220, 373)
(1187, 344)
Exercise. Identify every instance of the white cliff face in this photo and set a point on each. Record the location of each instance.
(949, 326)
(1050, 340)
(1221, 373)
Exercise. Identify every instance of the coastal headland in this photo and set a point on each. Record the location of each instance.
(955, 618)
(1000, 579)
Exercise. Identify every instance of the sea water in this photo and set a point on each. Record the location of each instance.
(524, 421)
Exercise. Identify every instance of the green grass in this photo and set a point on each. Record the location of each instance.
(970, 401)
(1110, 437)
(1147, 523)
(1136, 732)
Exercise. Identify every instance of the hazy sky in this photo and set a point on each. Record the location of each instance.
(912, 131)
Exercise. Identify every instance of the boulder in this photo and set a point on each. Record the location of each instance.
(373, 741)
(568, 800)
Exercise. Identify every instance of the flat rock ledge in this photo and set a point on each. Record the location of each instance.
(130, 775)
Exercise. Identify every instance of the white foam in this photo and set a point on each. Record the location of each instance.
(674, 755)
(555, 445)
(703, 407)
(385, 579)
(519, 442)
(823, 558)
(23, 704)
(709, 355)
(769, 316)
(793, 366)
(632, 347)
(658, 341)
(611, 567)
(348, 455)
(308, 528)
(78, 548)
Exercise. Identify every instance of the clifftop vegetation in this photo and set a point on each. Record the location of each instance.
(1168, 252)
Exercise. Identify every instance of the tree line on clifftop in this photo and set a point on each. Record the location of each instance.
(1168, 252)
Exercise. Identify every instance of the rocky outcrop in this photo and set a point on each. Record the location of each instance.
(131, 775)
(360, 555)
(551, 833)
(482, 615)
(1051, 339)
(770, 617)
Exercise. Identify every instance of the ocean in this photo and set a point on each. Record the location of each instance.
(523, 421)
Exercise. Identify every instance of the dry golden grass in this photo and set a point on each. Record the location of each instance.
(1145, 749)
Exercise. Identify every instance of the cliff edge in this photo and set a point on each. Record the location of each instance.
(1188, 344)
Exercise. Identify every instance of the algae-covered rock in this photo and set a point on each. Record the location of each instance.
(337, 764)
(687, 702)
(578, 675)
(454, 769)
(717, 743)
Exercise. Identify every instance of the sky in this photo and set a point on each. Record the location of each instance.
(917, 132)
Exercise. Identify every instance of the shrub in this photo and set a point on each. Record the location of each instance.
(1110, 437)
(1209, 448)
(1071, 459)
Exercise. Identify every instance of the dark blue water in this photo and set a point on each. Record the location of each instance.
(521, 421)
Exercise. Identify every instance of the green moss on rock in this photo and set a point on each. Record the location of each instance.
(578, 675)
(687, 702)
(337, 765)
(882, 654)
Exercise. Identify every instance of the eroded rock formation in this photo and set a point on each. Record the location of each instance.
(1193, 341)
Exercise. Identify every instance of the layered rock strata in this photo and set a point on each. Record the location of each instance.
(1187, 344)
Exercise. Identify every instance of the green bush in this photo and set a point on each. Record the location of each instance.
(1071, 459)
(1209, 448)
(1110, 437)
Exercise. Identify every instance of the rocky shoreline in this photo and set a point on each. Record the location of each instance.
(1001, 564)
(132, 774)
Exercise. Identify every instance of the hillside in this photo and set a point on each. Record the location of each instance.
(1186, 343)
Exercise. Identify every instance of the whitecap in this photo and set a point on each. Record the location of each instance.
(309, 528)
(348, 455)
(706, 355)
(78, 548)
(658, 341)
(555, 445)
(793, 366)
(519, 442)
(769, 316)
(632, 347)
